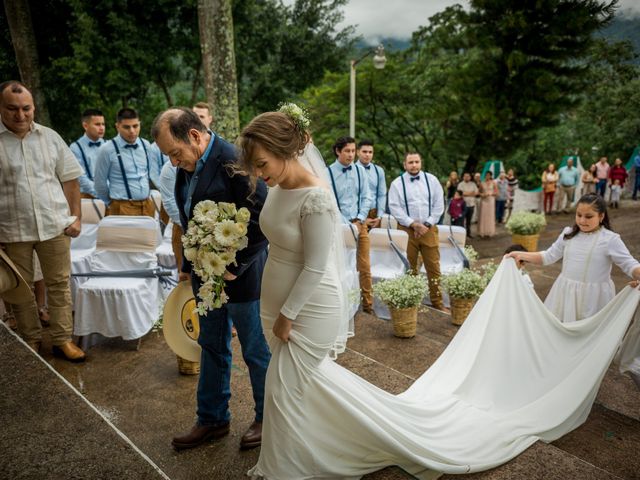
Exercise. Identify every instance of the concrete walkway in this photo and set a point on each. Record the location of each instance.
(143, 395)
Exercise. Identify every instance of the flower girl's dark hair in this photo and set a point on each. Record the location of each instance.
(599, 205)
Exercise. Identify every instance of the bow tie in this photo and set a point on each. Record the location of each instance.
(94, 144)
(417, 177)
(367, 167)
(346, 168)
(134, 146)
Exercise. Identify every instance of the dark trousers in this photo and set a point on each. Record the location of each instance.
(500, 204)
(459, 222)
(468, 215)
(214, 386)
(636, 187)
(601, 187)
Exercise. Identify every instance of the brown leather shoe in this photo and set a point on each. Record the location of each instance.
(69, 351)
(368, 310)
(198, 435)
(253, 437)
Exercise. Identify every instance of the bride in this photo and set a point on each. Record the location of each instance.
(502, 384)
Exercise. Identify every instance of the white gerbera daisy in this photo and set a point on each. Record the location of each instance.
(225, 233)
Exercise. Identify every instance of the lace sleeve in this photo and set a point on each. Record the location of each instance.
(318, 201)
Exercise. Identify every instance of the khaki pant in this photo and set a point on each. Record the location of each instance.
(55, 260)
(86, 195)
(132, 207)
(568, 194)
(428, 246)
(363, 264)
(176, 245)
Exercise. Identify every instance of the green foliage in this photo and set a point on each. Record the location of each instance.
(526, 223)
(404, 291)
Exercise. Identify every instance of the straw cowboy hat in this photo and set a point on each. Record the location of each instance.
(13, 288)
(180, 324)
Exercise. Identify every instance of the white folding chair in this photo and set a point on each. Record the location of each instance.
(83, 246)
(387, 220)
(122, 306)
(385, 262)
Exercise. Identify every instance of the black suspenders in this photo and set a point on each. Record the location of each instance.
(84, 160)
(124, 175)
(335, 190)
(404, 190)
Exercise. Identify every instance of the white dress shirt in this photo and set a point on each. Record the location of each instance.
(33, 206)
(421, 200)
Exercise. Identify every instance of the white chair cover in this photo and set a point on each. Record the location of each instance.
(156, 197)
(388, 220)
(93, 210)
(120, 306)
(385, 262)
(164, 252)
(84, 245)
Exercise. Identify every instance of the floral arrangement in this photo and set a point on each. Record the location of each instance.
(214, 235)
(405, 291)
(469, 283)
(470, 253)
(526, 223)
(298, 114)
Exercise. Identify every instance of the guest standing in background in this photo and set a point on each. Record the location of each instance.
(86, 147)
(589, 180)
(487, 216)
(618, 172)
(602, 176)
(470, 194)
(502, 184)
(511, 192)
(549, 186)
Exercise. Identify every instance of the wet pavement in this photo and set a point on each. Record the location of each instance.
(48, 431)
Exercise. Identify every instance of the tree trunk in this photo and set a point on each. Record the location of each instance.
(24, 46)
(215, 23)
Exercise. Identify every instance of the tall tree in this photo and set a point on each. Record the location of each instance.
(24, 43)
(219, 64)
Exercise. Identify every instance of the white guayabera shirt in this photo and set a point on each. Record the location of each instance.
(32, 170)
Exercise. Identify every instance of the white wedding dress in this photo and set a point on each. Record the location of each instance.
(504, 382)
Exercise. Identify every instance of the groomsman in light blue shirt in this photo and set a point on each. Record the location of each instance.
(86, 148)
(351, 188)
(122, 169)
(377, 184)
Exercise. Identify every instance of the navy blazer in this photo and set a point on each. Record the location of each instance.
(215, 182)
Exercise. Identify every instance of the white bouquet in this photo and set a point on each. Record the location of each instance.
(214, 235)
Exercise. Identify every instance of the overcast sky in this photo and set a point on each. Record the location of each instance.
(374, 19)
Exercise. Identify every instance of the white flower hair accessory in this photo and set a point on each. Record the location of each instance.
(298, 114)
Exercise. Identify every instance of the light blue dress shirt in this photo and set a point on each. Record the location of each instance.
(108, 181)
(568, 178)
(157, 159)
(86, 151)
(167, 185)
(377, 187)
(351, 188)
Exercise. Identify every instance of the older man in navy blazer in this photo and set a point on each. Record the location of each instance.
(203, 160)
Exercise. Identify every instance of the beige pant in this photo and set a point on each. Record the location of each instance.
(55, 260)
(566, 193)
(363, 264)
(144, 208)
(428, 246)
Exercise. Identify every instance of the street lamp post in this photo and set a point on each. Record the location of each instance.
(379, 61)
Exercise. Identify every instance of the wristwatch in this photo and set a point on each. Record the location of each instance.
(427, 224)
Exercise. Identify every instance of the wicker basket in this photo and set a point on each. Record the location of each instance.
(187, 367)
(460, 308)
(530, 242)
(405, 321)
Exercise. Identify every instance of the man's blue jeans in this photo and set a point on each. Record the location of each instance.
(214, 389)
(601, 187)
(636, 187)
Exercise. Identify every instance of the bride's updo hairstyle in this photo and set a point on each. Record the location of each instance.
(282, 134)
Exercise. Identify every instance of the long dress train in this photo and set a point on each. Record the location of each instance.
(503, 382)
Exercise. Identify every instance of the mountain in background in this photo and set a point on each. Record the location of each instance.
(621, 28)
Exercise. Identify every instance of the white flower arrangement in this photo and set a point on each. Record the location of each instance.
(214, 235)
(405, 291)
(469, 283)
(470, 253)
(526, 223)
(298, 114)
